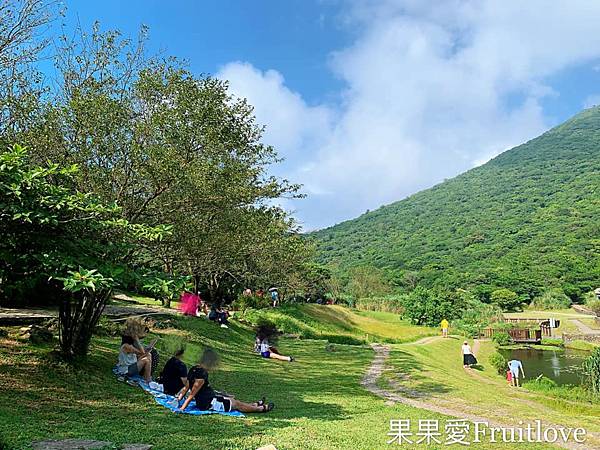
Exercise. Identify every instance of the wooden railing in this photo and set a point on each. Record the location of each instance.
(516, 334)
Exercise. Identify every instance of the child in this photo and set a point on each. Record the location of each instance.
(264, 334)
(205, 396)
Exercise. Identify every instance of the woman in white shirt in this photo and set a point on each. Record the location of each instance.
(468, 357)
(133, 357)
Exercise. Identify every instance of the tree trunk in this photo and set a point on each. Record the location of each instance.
(78, 315)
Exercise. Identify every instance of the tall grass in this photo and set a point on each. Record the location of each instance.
(388, 303)
(591, 369)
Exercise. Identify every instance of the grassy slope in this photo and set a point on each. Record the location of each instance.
(341, 324)
(435, 371)
(320, 403)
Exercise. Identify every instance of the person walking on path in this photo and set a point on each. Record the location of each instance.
(514, 365)
(468, 356)
(444, 326)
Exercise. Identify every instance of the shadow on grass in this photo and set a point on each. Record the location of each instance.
(57, 401)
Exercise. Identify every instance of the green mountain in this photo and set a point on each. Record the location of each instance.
(527, 220)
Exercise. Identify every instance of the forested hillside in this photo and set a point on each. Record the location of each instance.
(527, 220)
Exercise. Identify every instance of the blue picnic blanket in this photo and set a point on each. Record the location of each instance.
(167, 400)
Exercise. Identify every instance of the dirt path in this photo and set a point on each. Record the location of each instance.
(377, 368)
(583, 328)
(26, 316)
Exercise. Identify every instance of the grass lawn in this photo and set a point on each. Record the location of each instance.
(434, 373)
(340, 324)
(320, 403)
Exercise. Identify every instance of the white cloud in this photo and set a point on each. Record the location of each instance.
(592, 100)
(432, 89)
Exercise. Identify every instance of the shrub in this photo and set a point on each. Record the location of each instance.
(244, 302)
(502, 338)
(594, 305)
(505, 299)
(475, 316)
(551, 299)
(541, 383)
(499, 362)
(346, 300)
(165, 288)
(86, 294)
(591, 371)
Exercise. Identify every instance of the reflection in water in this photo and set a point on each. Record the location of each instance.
(562, 366)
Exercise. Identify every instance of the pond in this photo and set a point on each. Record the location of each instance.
(562, 366)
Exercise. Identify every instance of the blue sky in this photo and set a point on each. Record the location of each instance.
(293, 36)
(372, 101)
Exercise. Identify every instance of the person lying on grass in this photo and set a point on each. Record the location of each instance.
(205, 396)
(174, 375)
(266, 335)
(134, 359)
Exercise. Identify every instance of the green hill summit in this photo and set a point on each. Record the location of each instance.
(527, 220)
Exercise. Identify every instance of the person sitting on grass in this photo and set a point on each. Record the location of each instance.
(219, 315)
(205, 396)
(174, 374)
(266, 334)
(134, 359)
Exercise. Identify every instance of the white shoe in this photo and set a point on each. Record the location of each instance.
(224, 326)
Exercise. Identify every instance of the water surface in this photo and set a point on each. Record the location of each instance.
(562, 366)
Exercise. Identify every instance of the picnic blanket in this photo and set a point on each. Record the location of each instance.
(168, 401)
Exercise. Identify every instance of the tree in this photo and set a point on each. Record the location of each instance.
(172, 148)
(368, 281)
(58, 243)
(22, 37)
(505, 298)
(428, 307)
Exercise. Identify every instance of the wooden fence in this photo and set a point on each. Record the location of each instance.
(518, 335)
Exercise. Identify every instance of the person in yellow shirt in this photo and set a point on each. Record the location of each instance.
(444, 325)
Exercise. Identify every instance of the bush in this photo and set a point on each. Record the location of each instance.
(389, 303)
(499, 362)
(506, 299)
(346, 300)
(502, 338)
(551, 299)
(244, 302)
(107, 327)
(594, 305)
(541, 383)
(475, 316)
(591, 371)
